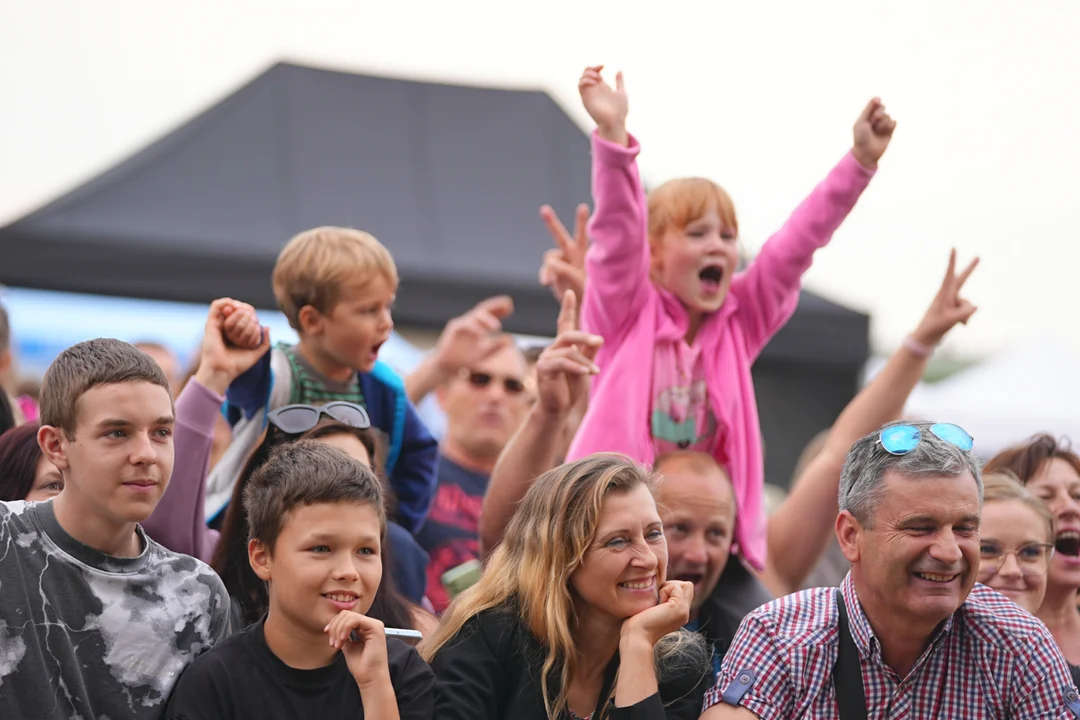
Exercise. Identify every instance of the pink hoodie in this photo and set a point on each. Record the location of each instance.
(633, 315)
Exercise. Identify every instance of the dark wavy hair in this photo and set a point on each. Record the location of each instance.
(19, 455)
(1027, 458)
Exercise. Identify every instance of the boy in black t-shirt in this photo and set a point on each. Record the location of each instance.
(317, 528)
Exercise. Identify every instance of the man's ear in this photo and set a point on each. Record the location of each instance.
(259, 559)
(311, 320)
(54, 443)
(848, 533)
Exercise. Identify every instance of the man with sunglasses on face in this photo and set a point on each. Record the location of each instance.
(485, 402)
(908, 633)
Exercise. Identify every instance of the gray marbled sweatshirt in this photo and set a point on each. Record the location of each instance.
(87, 636)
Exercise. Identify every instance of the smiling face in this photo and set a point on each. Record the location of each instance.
(1058, 485)
(119, 460)
(917, 558)
(327, 558)
(699, 522)
(626, 563)
(348, 337)
(1012, 539)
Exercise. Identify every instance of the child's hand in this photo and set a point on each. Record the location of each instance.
(607, 107)
(221, 363)
(366, 656)
(564, 368)
(564, 266)
(873, 131)
(948, 308)
(241, 328)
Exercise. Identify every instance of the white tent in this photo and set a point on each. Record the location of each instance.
(1004, 399)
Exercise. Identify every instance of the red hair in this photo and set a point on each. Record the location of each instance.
(677, 203)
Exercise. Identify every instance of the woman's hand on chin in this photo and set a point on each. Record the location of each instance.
(667, 616)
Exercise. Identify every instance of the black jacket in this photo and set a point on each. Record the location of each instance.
(491, 669)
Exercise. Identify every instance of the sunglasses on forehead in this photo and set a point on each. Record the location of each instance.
(513, 386)
(902, 439)
(297, 419)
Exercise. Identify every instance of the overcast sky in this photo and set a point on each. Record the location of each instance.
(759, 96)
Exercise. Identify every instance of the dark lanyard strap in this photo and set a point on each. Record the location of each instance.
(847, 672)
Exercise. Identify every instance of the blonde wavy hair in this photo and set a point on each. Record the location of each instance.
(529, 572)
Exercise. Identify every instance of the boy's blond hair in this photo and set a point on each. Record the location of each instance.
(314, 265)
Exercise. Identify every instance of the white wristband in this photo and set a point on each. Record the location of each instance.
(917, 348)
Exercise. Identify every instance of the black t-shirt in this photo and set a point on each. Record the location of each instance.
(241, 678)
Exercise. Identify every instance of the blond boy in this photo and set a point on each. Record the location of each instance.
(336, 286)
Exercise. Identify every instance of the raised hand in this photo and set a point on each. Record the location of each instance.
(564, 265)
(872, 132)
(221, 362)
(474, 336)
(668, 615)
(947, 308)
(607, 106)
(241, 327)
(366, 654)
(564, 368)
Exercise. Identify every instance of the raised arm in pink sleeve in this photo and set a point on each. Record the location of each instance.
(178, 522)
(617, 264)
(768, 290)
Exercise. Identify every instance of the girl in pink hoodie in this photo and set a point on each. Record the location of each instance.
(681, 328)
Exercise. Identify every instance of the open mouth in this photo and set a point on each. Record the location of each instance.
(1068, 543)
(936, 578)
(711, 277)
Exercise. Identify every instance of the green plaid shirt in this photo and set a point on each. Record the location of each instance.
(310, 387)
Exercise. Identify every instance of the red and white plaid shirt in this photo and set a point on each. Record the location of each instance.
(990, 659)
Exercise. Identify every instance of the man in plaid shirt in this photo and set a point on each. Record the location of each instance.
(930, 642)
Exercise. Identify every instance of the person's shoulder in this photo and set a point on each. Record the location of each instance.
(405, 662)
(13, 508)
(995, 619)
(386, 376)
(800, 619)
(501, 628)
(183, 569)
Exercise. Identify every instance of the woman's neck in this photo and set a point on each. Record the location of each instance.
(1059, 608)
(598, 637)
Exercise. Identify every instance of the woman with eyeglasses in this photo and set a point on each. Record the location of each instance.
(1050, 470)
(1016, 541)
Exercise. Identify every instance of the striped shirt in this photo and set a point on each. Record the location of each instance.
(990, 659)
(311, 387)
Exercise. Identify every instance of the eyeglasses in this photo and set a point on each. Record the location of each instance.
(1032, 558)
(296, 419)
(512, 385)
(902, 439)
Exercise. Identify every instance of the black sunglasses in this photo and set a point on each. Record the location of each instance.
(296, 419)
(513, 386)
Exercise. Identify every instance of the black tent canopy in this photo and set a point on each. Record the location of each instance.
(450, 178)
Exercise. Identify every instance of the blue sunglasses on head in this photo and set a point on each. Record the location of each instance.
(902, 439)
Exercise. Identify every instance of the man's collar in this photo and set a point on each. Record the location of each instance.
(863, 633)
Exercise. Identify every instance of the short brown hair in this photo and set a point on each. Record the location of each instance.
(85, 366)
(1002, 485)
(302, 473)
(314, 265)
(1025, 460)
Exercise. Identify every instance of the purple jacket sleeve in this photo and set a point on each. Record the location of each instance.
(769, 289)
(617, 264)
(179, 522)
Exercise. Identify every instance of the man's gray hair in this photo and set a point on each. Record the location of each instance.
(862, 478)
